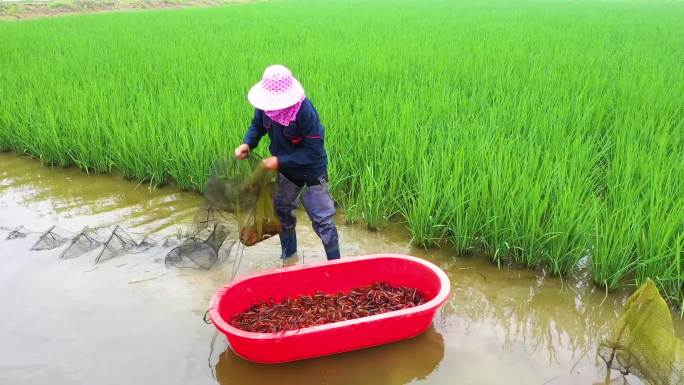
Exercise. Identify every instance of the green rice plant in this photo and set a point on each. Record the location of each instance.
(659, 243)
(613, 254)
(541, 131)
(427, 213)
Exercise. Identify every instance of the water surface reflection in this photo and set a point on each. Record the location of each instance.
(131, 320)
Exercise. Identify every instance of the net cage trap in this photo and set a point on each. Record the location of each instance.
(239, 194)
(643, 341)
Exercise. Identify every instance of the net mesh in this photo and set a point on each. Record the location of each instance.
(199, 253)
(17, 233)
(146, 244)
(247, 189)
(82, 243)
(49, 240)
(243, 188)
(643, 341)
(201, 241)
(118, 243)
(170, 242)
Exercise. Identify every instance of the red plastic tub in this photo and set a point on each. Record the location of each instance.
(330, 277)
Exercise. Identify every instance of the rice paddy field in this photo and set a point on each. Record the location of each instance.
(548, 133)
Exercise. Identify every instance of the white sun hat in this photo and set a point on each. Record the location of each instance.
(277, 89)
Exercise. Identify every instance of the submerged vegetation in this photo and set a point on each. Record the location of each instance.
(541, 131)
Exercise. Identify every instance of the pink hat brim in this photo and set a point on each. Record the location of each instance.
(266, 100)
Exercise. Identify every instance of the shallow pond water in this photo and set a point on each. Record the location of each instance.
(132, 320)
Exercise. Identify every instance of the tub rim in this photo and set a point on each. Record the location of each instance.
(223, 325)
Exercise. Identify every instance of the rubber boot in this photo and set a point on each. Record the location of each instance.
(288, 243)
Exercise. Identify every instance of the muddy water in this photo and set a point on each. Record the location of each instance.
(131, 320)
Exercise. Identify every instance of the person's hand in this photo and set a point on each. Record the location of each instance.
(242, 151)
(270, 163)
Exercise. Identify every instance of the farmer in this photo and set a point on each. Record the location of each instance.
(298, 154)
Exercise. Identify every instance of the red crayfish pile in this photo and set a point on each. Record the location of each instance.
(250, 236)
(321, 308)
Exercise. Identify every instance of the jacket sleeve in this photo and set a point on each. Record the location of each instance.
(309, 147)
(255, 131)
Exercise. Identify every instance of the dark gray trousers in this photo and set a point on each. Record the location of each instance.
(320, 208)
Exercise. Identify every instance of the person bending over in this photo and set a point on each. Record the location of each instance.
(283, 111)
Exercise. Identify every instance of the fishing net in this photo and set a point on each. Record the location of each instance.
(17, 233)
(245, 188)
(237, 192)
(202, 241)
(199, 253)
(643, 342)
(82, 243)
(49, 240)
(118, 243)
(146, 244)
(170, 242)
(241, 187)
(256, 212)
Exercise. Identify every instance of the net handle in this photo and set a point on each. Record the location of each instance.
(207, 320)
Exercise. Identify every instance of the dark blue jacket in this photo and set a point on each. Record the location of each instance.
(299, 147)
